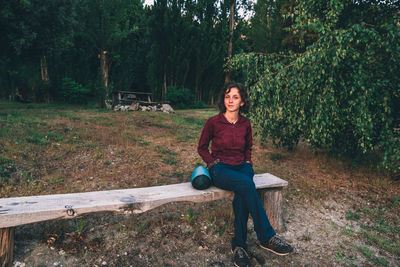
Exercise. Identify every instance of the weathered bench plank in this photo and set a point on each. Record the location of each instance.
(24, 210)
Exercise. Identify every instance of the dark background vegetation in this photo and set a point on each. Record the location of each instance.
(325, 72)
(177, 44)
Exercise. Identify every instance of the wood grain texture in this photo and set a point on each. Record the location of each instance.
(272, 202)
(24, 210)
(6, 246)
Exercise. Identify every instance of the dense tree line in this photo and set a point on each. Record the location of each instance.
(338, 90)
(98, 46)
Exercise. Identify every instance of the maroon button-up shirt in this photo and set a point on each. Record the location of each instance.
(230, 143)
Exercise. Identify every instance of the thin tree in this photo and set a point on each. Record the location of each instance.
(232, 11)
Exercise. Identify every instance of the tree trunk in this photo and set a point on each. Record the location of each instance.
(44, 95)
(164, 91)
(212, 96)
(104, 67)
(186, 73)
(230, 44)
(43, 69)
(196, 85)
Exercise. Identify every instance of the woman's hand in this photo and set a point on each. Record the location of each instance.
(212, 164)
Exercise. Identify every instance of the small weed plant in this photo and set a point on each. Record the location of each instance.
(80, 226)
(142, 227)
(189, 216)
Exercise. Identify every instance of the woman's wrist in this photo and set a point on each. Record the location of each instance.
(212, 164)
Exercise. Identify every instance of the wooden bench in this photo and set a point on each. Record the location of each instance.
(24, 210)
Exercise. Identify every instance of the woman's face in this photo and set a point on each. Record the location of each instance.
(233, 101)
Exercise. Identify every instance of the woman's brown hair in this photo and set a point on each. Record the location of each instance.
(243, 95)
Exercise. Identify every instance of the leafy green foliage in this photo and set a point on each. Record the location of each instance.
(343, 92)
(180, 97)
(34, 29)
(187, 47)
(266, 28)
(133, 47)
(74, 92)
(108, 26)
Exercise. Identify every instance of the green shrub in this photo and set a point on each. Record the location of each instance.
(180, 97)
(198, 104)
(73, 92)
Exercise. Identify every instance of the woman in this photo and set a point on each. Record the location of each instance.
(231, 169)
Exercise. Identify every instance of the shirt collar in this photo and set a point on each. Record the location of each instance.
(224, 120)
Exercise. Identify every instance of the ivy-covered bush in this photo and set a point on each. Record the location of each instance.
(73, 92)
(343, 92)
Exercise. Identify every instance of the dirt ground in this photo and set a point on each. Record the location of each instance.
(336, 214)
(167, 236)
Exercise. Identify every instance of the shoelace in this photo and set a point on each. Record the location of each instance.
(277, 241)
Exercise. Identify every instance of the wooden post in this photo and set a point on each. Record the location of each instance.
(272, 200)
(6, 246)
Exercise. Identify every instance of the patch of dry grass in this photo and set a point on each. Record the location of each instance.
(74, 150)
(46, 150)
(71, 150)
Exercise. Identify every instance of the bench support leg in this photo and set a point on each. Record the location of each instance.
(272, 201)
(6, 246)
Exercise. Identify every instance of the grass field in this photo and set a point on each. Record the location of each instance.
(52, 150)
(337, 212)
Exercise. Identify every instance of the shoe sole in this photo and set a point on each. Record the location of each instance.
(273, 251)
(236, 264)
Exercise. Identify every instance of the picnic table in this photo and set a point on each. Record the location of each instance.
(129, 97)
